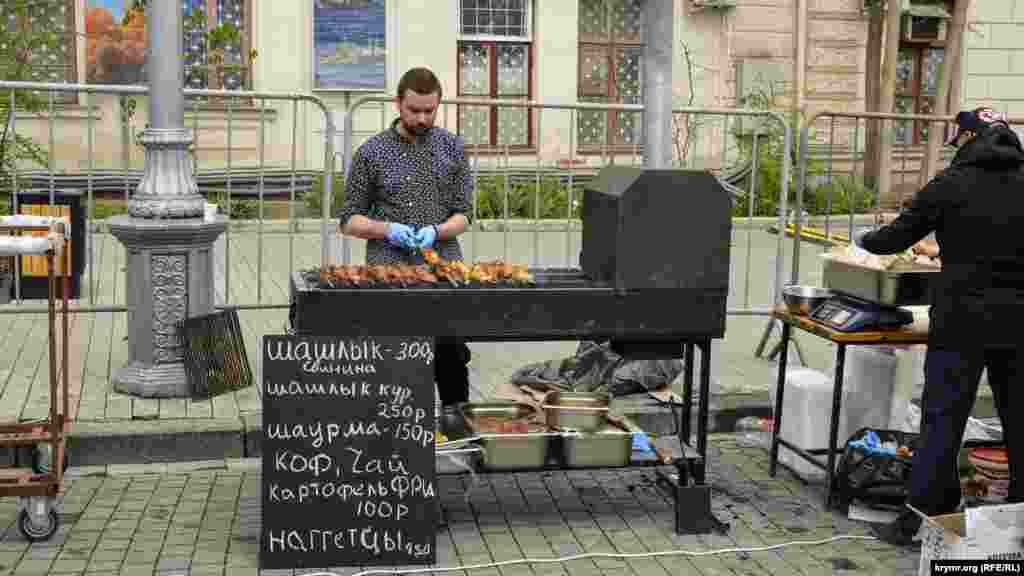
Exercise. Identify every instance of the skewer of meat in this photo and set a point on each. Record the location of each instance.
(408, 275)
(360, 275)
(444, 270)
(326, 275)
(431, 256)
(377, 274)
(422, 274)
(522, 275)
(353, 275)
(394, 275)
(339, 275)
(481, 274)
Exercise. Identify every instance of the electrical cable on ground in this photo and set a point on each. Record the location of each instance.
(603, 555)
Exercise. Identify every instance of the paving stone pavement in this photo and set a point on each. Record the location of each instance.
(203, 519)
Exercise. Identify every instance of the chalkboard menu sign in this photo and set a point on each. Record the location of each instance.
(348, 452)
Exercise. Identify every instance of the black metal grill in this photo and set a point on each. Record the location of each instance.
(655, 266)
(654, 280)
(658, 229)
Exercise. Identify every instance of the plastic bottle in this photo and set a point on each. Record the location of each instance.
(754, 432)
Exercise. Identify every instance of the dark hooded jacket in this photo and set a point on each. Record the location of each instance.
(976, 209)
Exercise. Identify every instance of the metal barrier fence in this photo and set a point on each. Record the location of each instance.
(854, 156)
(232, 106)
(608, 153)
(705, 143)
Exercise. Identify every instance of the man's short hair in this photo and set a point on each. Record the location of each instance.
(419, 80)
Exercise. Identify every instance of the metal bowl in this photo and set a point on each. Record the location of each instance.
(803, 299)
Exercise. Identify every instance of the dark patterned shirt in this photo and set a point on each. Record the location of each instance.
(417, 183)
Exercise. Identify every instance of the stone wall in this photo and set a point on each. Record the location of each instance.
(995, 56)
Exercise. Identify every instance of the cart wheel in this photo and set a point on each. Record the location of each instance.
(41, 459)
(38, 533)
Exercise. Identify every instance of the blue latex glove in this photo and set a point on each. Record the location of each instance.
(401, 235)
(426, 236)
(858, 238)
(871, 443)
(640, 443)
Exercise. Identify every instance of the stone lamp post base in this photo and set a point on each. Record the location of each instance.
(169, 278)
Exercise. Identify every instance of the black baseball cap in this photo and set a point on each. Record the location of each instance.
(975, 121)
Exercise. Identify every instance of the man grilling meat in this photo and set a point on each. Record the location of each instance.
(976, 209)
(409, 188)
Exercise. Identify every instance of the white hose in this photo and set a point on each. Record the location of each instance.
(602, 555)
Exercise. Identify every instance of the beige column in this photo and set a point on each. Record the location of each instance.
(949, 78)
(872, 93)
(887, 97)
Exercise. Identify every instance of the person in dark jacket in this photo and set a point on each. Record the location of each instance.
(976, 209)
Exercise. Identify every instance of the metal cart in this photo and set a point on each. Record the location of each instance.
(37, 487)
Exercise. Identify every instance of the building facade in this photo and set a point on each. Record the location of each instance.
(556, 52)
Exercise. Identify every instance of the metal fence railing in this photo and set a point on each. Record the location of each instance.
(233, 103)
(568, 144)
(698, 142)
(847, 157)
(834, 158)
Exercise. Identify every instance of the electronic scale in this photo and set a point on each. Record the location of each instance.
(847, 313)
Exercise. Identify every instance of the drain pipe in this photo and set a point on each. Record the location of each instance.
(800, 62)
(657, 83)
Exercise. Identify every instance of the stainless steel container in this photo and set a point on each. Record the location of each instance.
(576, 410)
(899, 287)
(457, 460)
(517, 450)
(804, 299)
(607, 447)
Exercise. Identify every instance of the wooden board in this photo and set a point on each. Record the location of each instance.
(902, 335)
(36, 265)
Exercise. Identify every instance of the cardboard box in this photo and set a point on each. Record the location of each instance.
(985, 532)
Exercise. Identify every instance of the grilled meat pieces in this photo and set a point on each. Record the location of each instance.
(437, 269)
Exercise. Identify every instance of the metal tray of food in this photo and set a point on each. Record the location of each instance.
(906, 285)
(580, 411)
(512, 434)
(607, 447)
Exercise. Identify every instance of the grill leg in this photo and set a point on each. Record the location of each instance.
(684, 421)
(693, 502)
(702, 410)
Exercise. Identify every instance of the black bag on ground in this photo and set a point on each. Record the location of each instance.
(873, 478)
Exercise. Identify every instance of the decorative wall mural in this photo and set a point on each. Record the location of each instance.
(115, 37)
(349, 45)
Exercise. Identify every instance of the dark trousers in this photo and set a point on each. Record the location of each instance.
(950, 389)
(450, 371)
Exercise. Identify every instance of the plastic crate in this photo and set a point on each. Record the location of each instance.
(214, 354)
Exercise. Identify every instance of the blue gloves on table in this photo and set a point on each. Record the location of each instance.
(401, 235)
(426, 236)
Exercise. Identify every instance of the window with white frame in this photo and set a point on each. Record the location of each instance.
(611, 43)
(495, 62)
